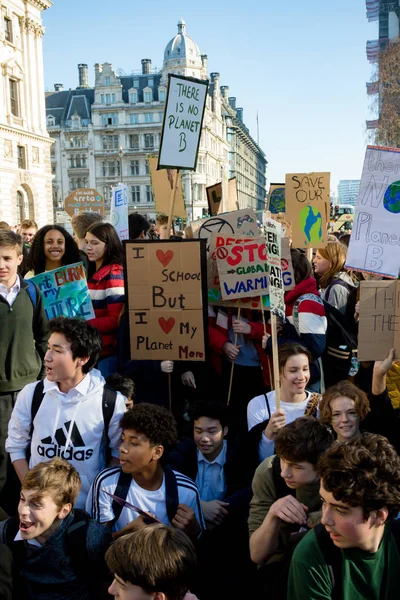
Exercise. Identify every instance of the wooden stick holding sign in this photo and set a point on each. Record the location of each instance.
(172, 204)
(275, 359)
(233, 362)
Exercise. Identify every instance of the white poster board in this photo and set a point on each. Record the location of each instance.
(375, 238)
(119, 211)
(183, 118)
(273, 236)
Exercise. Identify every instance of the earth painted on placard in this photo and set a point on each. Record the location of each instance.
(311, 223)
(391, 199)
(277, 201)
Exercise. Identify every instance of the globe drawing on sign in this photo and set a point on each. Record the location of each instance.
(391, 199)
(277, 201)
(311, 223)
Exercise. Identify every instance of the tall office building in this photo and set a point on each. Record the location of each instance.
(348, 191)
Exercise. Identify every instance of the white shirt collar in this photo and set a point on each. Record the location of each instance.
(219, 460)
(14, 288)
(32, 542)
(82, 388)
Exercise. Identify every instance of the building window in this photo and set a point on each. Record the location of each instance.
(148, 117)
(20, 207)
(147, 96)
(133, 97)
(134, 118)
(21, 154)
(161, 95)
(149, 195)
(108, 98)
(134, 167)
(149, 141)
(114, 98)
(160, 116)
(14, 97)
(110, 168)
(134, 142)
(110, 142)
(102, 98)
(136, 83)
(201, 164)
(8, 30)
(107, 82)
(146, 167)
(109, 119)
(150, 82)
(135, 194)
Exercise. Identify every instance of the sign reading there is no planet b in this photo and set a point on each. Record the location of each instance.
(183, 118)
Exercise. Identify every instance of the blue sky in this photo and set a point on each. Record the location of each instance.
(300, 64)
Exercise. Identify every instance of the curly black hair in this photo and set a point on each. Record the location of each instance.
(85, 340)
(364, 472)
(37, 259)
(153, 421)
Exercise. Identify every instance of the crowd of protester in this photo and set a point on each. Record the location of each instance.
(139, 480)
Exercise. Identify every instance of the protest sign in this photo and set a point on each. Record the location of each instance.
(273, 236)
(162, 183)
(242, 267)
(183, 118)
(307, 208)
(65, 292)
(375, 238)
(119, 211)
(232, 202)
(167, 299)
(379, 321)
(276, 198)
(239, 222)
(84, 200)
(214, 198)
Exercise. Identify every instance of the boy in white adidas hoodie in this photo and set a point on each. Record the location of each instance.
(70, 420)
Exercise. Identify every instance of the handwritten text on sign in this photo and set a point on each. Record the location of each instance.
(375, 239)
(307, 208)
(379, 324)
(273, 235)
(165, 294)
(242, 267)
(65, 292)
(182, 122)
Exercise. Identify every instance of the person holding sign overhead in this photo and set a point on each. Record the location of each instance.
(52, 247)
(106, 288)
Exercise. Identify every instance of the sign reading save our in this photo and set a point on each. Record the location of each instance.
(167, 298)
(183, 118)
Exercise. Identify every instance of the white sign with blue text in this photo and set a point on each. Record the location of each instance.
(119, 211)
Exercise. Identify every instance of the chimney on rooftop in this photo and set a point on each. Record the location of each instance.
(232, 102)
(83, 76)
(204, 62)
(224, 92)
(146, 66)
(239, 114)
(58, 87)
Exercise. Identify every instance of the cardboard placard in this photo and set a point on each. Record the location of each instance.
(65, 292)
(232, 202)
(242, 267)
(214, 198)
(183, 118)
(239, 222)
(375, 239)
(276, 198)
(307, 208)
(379, 321)
(84, 200)
(167, 299)
(273, 237)
(119, 211)
(162, 183)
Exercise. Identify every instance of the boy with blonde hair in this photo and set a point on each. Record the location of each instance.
(58, 551)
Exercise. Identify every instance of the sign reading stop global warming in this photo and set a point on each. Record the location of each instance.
(375, 239)
(273, 236)
(307, 207)
(242, 267)
(167, 298)
(65, 292)
(183, 117)
(119, 211)
(84, 200)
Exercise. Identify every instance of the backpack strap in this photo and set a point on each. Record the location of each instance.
(122, 489)
(333, 559)
(32, 292)
(171, 493)
(268, 407)
(312, 405)
(37, 400)
(108, 405)
(337, 281)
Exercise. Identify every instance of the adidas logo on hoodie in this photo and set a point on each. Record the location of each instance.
(55, 447)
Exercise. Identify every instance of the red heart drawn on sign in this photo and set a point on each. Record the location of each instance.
(165, 257)
(166, 325)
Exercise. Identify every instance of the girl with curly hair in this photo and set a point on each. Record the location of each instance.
(52, 247)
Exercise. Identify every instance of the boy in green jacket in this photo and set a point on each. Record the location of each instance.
(354, 553)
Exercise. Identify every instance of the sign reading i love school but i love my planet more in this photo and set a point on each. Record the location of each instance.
(183, 118)
(167, 299)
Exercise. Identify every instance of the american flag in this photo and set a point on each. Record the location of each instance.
(373, 50)
(372, 87)
(372, 124)
(372, 10)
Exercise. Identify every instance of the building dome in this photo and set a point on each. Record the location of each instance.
(182, 48)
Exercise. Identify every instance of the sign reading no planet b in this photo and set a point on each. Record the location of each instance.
(183, 118)
(65, 292)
